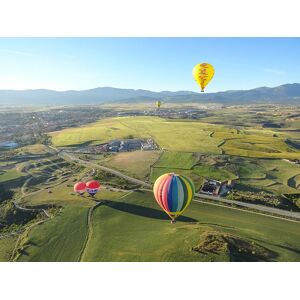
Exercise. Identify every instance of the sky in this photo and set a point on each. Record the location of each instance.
(155, 64)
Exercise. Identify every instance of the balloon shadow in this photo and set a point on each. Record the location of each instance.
(143, 211)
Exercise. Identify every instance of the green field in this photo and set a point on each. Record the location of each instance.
(67, 230)
(136, 164)
(6, 248)
(133, 228)
(129, 226)
(176, 160)
(10, 174)
(120, 228)
(183, 136)
(59, 239)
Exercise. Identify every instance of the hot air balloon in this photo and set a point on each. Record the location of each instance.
(173, 193)
(92, 187)
(203, 73)
(80, 187)
(158, 104)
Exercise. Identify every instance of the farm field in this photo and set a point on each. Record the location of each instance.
(129, 226)
(133, 228)
(273, 175)
(198, 136)
(59, 239)
(67, 230)
(136, 164)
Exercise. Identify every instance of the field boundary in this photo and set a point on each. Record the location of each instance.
(89, 231)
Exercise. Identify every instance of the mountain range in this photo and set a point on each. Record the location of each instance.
(287, 93)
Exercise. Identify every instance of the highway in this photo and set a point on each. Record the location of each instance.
(261, 208)
(65, 155)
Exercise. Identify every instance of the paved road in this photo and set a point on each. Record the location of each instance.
(261, 208)
(69, 156)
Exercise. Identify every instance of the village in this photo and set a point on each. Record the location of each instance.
(121, 145)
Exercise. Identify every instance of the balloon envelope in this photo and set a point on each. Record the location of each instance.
(158, 104)
(80, 187)
(92, 187)
(173, 193)
(203, 73)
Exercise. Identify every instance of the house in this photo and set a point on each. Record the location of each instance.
(211, 187)
(216, 188)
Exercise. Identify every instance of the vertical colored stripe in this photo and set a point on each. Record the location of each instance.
(173, 195)
(165, 190)
(185, 193)
(180, 193)
(191, 191)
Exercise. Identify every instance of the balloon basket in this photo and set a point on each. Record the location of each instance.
(173, 221)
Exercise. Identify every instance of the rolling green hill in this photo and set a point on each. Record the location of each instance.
(182, 136)
(133, 228)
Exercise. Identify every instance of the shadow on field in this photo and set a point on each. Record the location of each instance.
(295, 250)
(143, 211)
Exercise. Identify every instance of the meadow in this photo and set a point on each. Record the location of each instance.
(229, 144)
(10, 174)
(136, 164)
(183, 136)
(6, 247)
(133, 228)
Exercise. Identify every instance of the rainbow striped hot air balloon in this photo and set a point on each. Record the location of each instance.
(173, 193)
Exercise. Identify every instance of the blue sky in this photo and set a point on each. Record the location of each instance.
(147, 63)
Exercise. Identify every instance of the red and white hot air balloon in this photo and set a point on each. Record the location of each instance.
(80, 187)
(92, 187)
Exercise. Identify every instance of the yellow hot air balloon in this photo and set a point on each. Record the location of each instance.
(158, 104)
(203, 73)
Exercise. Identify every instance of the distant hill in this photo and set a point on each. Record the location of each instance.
(287, 93)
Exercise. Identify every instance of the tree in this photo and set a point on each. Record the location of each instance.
(5, 194)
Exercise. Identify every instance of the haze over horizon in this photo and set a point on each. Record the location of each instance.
(140, 89)
(155, 64)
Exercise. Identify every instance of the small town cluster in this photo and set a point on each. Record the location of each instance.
(122, 145)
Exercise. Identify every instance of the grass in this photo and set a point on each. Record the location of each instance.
(6, 248)
(133, 228)
(274, 175)
(250, 169)
(177, 160)
(156, 172)
(63, 195)
(165, 132)
(182, 136)
(214, 172)
(59, 239)
(120, 228)
(10, 174)
(188, 164)
(136, 164)
(33, 149)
